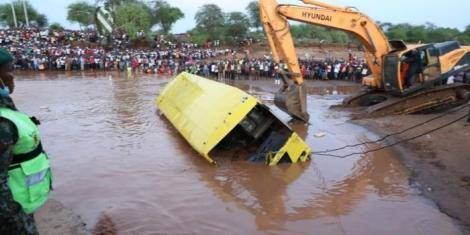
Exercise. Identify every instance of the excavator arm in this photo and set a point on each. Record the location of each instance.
(280, 39)
(292, 98)
(275, 22)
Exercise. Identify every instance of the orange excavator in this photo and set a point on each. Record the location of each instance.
(405, 78)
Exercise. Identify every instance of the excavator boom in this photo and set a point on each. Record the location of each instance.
(292, 98)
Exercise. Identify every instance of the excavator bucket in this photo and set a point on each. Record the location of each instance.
(293, 100)
(214, 117)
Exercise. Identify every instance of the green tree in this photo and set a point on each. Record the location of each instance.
(253, 12)
(112, 5)
(340, 37)
(464, 37)
(398, 32)
(35, 18)
(442, 34)
(384, 25)
(133, 18)
(82, 13)
(299, 31)
(430, 26)
(197, 36)
(427, 33)
(236, 26)
(40, 21)
(417, 33)
(210, 20)
(165, 15)
(55, 26)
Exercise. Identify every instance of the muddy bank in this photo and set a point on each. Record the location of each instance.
(440, 162)
(55, 219)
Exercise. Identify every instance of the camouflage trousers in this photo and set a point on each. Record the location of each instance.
(468, 118)
(13, 220)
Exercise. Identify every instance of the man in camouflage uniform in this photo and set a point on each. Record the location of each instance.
(13, 220)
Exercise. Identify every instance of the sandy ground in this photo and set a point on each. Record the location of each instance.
(440, 162)
(316, 52)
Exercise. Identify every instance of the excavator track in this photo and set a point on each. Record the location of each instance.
(431, 100)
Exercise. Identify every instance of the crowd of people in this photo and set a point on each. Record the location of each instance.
(38, 50)
(266, 68)
(66, 50)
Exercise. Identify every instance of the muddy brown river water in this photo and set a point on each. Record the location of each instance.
(118, 163)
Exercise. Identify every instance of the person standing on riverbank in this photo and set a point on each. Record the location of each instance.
(25, 175)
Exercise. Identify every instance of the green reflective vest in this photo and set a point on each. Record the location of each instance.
(29, 173)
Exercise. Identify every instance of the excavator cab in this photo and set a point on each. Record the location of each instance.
(421, 67)
(406, 72)
(422, 78)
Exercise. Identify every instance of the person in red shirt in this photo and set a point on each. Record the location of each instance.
(303, 71)
(134, 64)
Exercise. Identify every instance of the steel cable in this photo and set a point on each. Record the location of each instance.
(396, 143)
(396, 133)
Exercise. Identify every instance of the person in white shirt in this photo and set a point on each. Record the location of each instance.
(277, 78)
(336, 70)
(451, 80)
